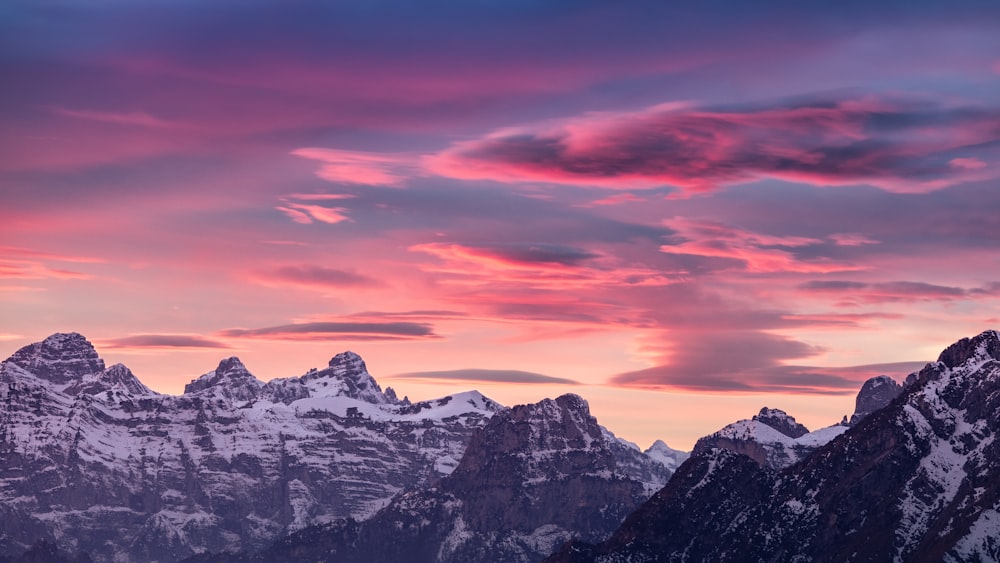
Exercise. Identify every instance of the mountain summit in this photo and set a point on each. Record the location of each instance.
(917, 480)
(93, 461)
(63, 358)
(531, 478)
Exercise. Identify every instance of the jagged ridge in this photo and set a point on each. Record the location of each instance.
(914, 481)
(89, 455)
(533, 477)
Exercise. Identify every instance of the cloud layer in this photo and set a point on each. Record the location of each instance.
(897, 144)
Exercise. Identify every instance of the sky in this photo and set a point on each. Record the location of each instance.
(681, 211)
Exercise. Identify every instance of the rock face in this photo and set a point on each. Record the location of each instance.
(916, 481)
(533, 477)
(61, 359)
(93, 461)
(782, 422)
(772, 438)
(875, 394)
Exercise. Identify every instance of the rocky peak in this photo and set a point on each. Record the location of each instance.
(116, 378)
(348, 363)
(120, 377)
(347, 376)
(781, 421)
(875, 394)
(554, 421)
(230, 379)
(61, 358)
(984, 346)
(560, 431)
(914, 481)
(665, 455)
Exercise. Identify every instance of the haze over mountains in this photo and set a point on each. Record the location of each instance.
(328, 466)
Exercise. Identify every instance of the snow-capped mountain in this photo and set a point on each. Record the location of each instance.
(94, 461)
(774, 438)
(918, 480)
(771, 438)
(533, 477)
(669, 457)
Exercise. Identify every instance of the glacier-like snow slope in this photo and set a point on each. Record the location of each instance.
(93, 460)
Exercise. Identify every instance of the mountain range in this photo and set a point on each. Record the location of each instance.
(329, 467)
(93, 461)
(915, 480)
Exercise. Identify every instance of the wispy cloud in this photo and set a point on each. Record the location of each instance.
(316, 277)
(853, 292)
(308, 208)
(133, 118)
(153, 341)
(488, 376)
(344, 330)
(750, 251)
(792, 379)
(357, 167)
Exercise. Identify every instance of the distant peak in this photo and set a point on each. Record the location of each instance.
(231, 378)
(568, 407)
(875, 393)
(347, 375)
(118, 370)
(348, 361)
(117, 378)
(232, 366)
(67, 339)
(64, 357)
(781, 421)
(984, 346)
(573, 401)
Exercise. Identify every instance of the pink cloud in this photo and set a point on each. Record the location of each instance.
(296, 215)
(356, 167)
(30, 264)
(12, 251)
(315, 277)
(618, 199)
(346, 330)
(967, 163)
(308, 213)
(854, 292)
(838, 320)
(161, 341)
(135, 118)
(851, 239)
(754, 252)
(883, 142)
(522, 267)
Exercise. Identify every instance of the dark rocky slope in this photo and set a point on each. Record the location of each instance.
(533, 477)
(918, 480)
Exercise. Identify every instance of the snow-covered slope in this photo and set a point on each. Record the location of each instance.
(666, 456)
(772, 438)
(915, 481)
(93, 460)
(533, 477)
